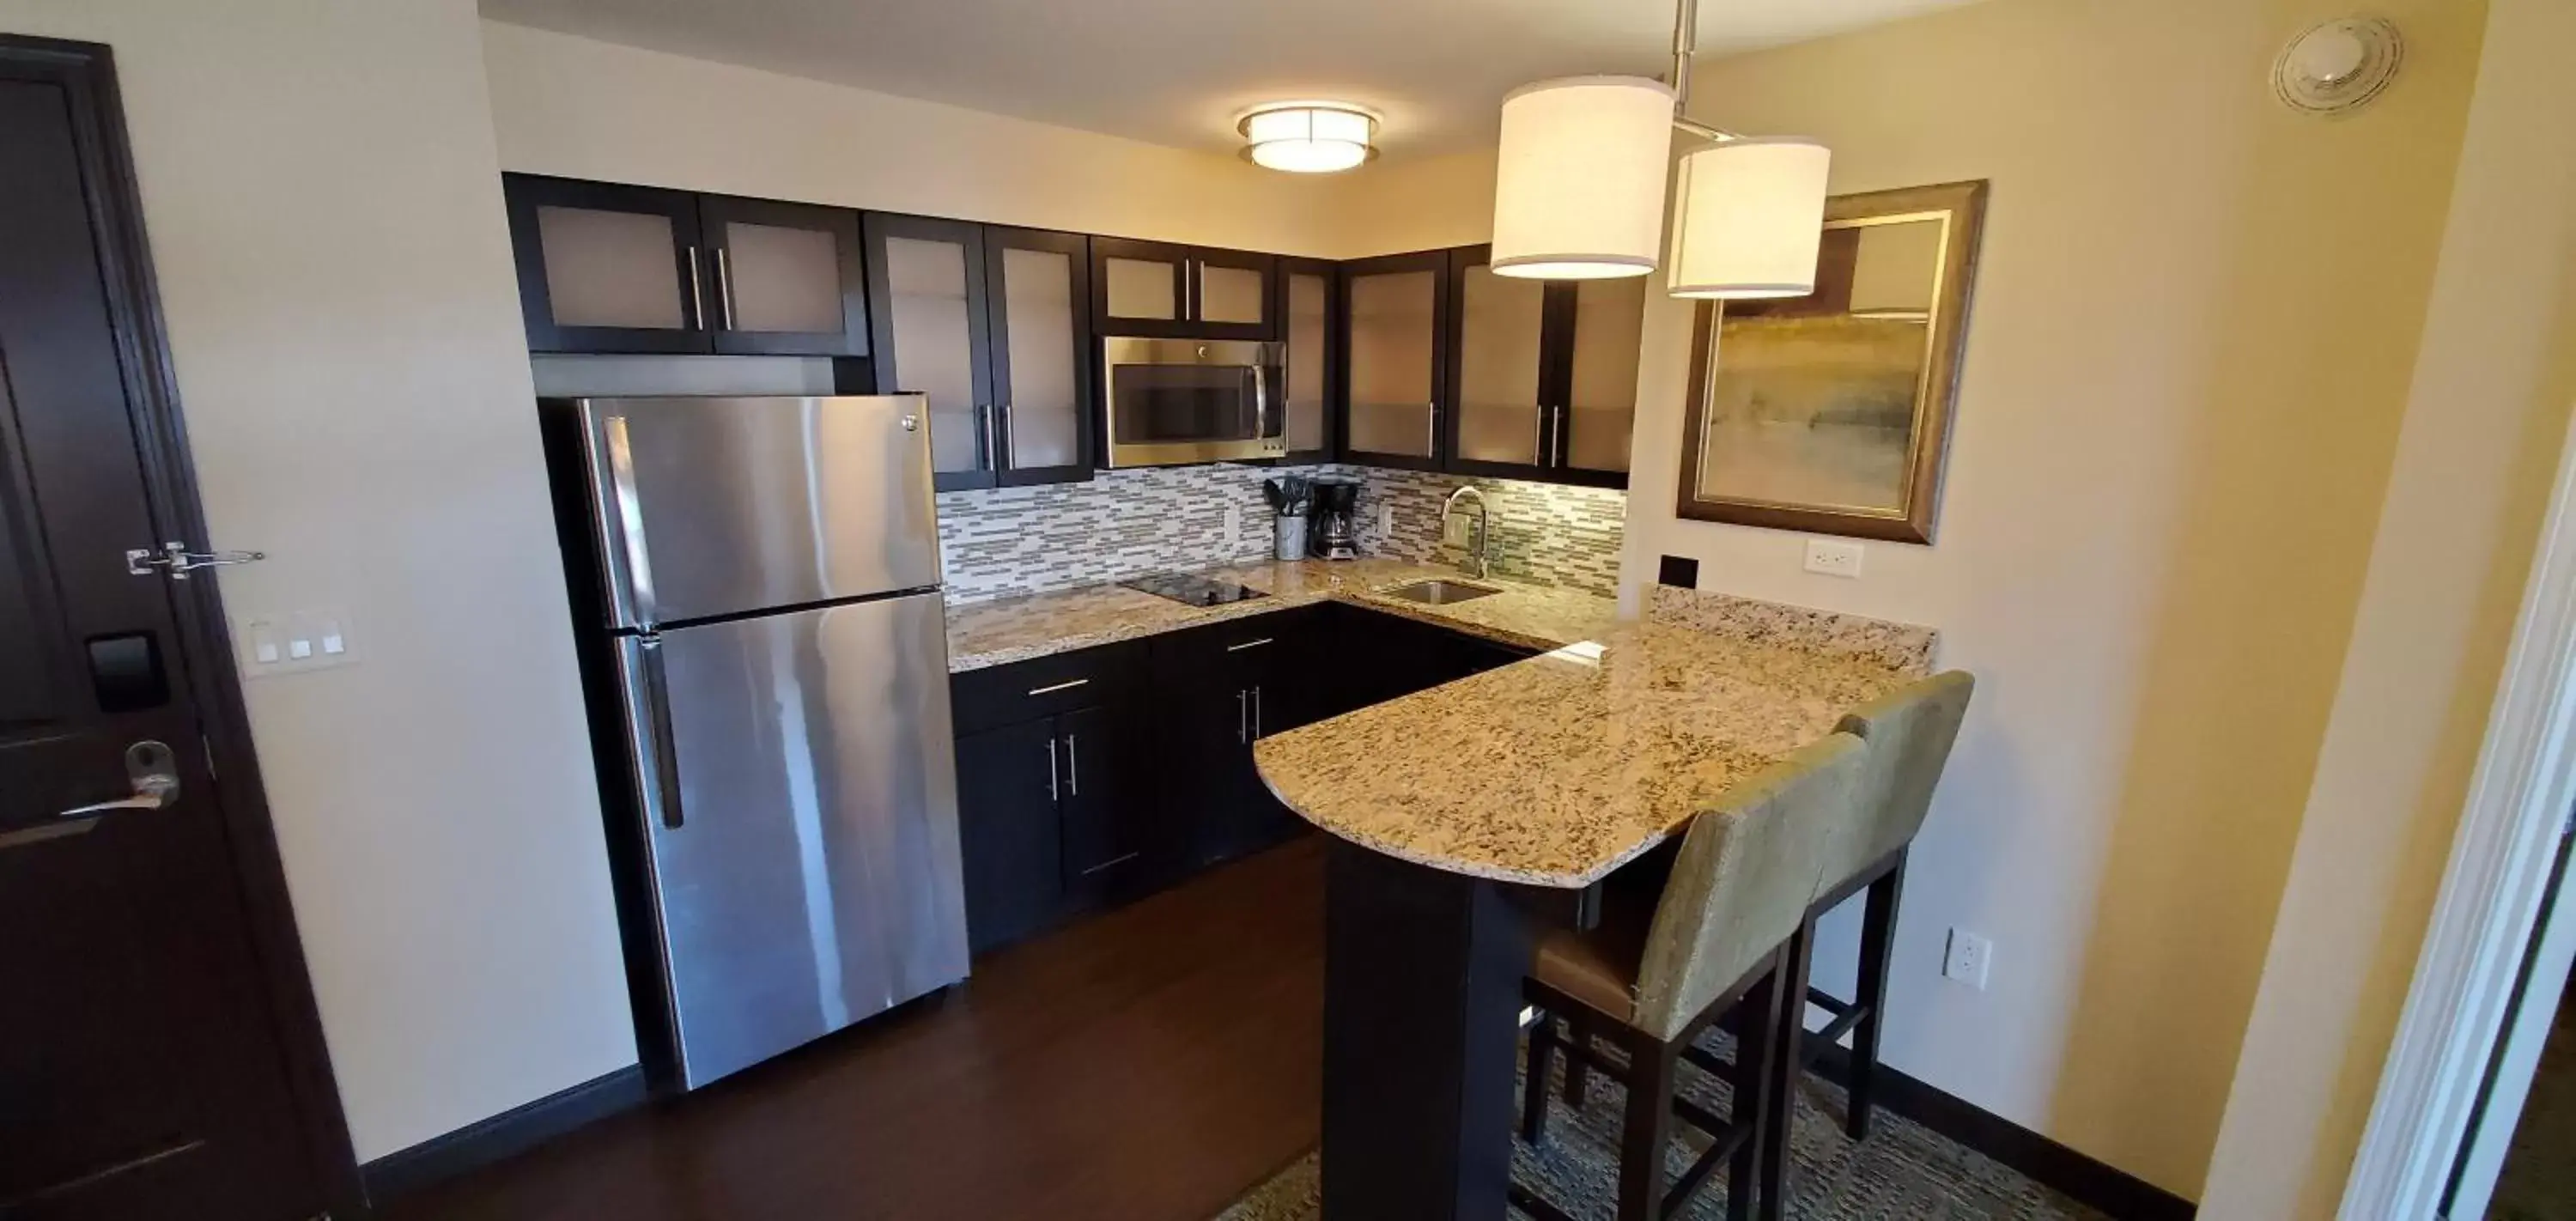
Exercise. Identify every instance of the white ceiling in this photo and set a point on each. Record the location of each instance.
(1176, 72)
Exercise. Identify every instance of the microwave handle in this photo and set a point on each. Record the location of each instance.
(1261, 403)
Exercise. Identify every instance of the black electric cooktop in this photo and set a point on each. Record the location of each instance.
(1188, 590)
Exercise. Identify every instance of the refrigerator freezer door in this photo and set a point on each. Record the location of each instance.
(720, 506)
(813, 877)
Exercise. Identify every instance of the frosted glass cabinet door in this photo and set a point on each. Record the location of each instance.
(926, 284)
(1159, 290)
(1306, 324)
(784, 278)
(1502, 322)
(1395, 318)
(606, 268)
(1600, 409)
(1039, 301)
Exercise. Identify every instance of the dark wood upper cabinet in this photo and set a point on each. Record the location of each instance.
(784, 278)
(1038, 324)
(1394, 365)
(1447, 366)
(606, 268)
(1159, 289)
(610, 268)
(1308, 305)
(992, 324)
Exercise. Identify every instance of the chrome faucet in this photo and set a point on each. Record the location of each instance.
(1476, 564)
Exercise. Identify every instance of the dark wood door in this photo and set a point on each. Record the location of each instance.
(1394, 369)
(607, 268)
(1232, 294)
(1008, 831)
(1140, 288)
(1307, 303)
(927, 317)
(1108, 826)
(142, 1070)
(1045, 401)
(784, 278)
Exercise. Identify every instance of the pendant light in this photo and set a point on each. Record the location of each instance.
(1579, 188)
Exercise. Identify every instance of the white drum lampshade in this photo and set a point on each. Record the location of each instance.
(1749, 219)
(1579, 191)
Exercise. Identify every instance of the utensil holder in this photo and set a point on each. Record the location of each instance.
(1288, 539)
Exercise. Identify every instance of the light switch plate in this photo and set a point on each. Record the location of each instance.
(1833, 557)
(293, 642)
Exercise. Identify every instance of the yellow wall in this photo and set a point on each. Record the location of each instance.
(588, 109)
(2186, 365)
(2481, 439)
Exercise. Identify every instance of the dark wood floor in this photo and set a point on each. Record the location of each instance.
(1148, 1065)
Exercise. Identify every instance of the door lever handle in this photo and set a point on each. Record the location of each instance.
(152, 769)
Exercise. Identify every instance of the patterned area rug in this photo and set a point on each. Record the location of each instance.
(1902, 1170)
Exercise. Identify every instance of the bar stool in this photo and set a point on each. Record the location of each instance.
(1909, 732)
(1660, 968)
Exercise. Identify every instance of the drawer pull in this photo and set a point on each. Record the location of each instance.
(1249, 644)
(1064, 686)
(1111, 863)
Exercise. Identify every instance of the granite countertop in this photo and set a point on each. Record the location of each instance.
(1555, 770)
(982, 634)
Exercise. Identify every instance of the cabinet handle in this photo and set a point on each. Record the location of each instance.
(1249, 644)
(983, 437)
(1052, 794)
(1242, 716)
(1112, 863)
(724, 289)
(1256, 714)
(1072, 768)
(1559, 435)
(1063, 686)
(1001, 434)
(697, 295)
(1431, 430)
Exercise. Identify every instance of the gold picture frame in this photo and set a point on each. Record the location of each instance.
(1830, 413)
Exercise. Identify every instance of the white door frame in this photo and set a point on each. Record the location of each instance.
(2482, 926)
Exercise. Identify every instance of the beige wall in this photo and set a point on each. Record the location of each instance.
(2188, 357)
(587, 109)
(2475, 457)
(319, 182)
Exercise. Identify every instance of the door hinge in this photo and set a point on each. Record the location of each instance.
(178, 561)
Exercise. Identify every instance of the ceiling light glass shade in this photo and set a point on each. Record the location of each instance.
(1309, 137)
(1579, 190)
(1749, 216)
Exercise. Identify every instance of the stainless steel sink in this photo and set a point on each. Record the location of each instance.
(1439, 592)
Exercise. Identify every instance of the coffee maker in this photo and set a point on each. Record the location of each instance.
(1335, 528)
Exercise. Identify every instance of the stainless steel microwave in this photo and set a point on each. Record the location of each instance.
(1172, 401)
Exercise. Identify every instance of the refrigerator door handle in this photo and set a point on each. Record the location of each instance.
(653, 754)
(624, 530)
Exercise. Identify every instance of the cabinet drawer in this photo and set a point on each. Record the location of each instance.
(1044, 686)
(1239, 646)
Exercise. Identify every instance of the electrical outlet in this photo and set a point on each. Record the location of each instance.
(1233, 528)
(1970, 956)
(1385, 522)
(1833, 557)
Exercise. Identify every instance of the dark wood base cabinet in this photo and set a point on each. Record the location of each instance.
(1093, 777)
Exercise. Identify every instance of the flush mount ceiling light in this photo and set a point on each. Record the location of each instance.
(1308, 137)
(1579, 188)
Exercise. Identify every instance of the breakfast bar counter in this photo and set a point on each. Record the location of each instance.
(1460, 808)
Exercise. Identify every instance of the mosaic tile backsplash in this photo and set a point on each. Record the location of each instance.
(1008, 541)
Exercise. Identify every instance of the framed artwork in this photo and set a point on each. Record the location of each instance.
(1830, 413)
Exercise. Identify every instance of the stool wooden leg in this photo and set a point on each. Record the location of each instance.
(1788, 1032)
(1877, 944)
(1578, 1074)
(1756, 1064)
(1647, 1129)
(1542, 1056)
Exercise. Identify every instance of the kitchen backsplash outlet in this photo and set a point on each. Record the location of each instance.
(1008, 541)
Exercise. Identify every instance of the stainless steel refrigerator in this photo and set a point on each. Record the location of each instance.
(756, 591)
